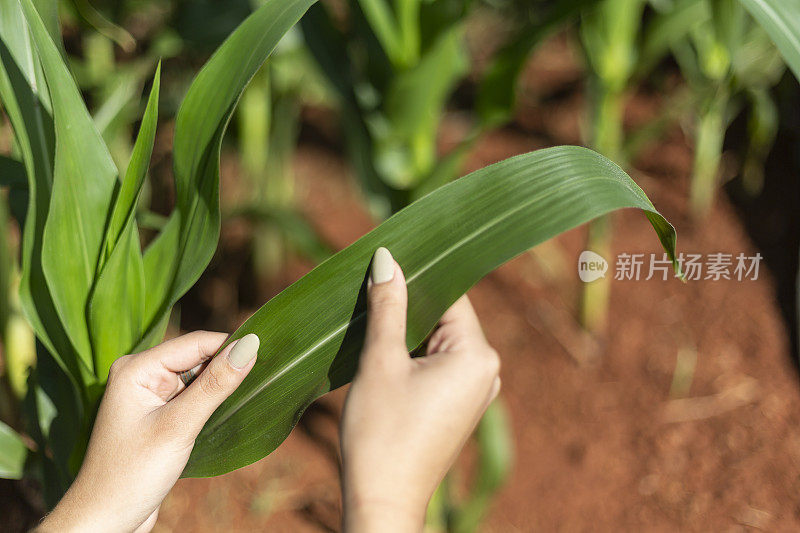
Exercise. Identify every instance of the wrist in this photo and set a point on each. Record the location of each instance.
(62, 520)
(370, 514)
(70, 515)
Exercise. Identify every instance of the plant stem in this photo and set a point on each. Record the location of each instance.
(596, 294)
(709, 138)
(608, 140)
(608, 123)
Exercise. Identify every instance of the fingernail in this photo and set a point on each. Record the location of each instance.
(244, 350)
(382, 266)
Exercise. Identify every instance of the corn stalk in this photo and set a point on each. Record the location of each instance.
(610, 35)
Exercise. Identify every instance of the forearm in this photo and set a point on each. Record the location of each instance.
(371, 515)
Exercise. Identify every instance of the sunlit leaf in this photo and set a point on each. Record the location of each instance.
(84, 180)
(311, 333)
(180, 253)
(26, 100)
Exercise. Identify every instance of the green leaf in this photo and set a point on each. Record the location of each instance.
(125, 204)
(781, 19)
(25, 97)
(116, 310)
(56, 422)
(180, 253)
(12, 453)
(497, 92)
(117, 304)
(414, 105)
(383, 22)
(667, 28)
(311, 333)
(84, 181)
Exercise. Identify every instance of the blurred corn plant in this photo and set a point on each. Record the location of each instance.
(268, 121)
(452, 510)
(112, 85)
(91, 293)
(16, 336)
(781, 20)
(730, 63)
(393, 68)
(610, 36)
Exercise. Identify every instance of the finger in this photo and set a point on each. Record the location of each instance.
(215, 383)
(495, 390)
(387, 299)
(462, 316)
(458, 326)
(187, 351)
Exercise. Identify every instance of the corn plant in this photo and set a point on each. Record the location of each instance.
(393, 76)
(610, 33)
(728, 61)
(92, 294)
(113, 87)
(781, 20)
(268, 119)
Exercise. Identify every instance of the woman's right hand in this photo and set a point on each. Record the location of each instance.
(405, 420)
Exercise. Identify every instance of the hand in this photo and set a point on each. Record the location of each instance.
(405, 420)
(145, 430)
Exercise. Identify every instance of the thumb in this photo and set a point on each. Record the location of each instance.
(387, 299)
(214, 384)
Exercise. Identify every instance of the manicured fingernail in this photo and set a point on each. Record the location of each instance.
(382, 266)
(244, 350)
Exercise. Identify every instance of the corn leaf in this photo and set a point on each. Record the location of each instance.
(25, 97)
(311, 333)
(12, 453)
(177, 257)
(56, 424)
(497, 92)
(84, 182)
(382, 20)
(414, 104)
(116, 307)
(329, 46)
(127, 199)
(781, 19)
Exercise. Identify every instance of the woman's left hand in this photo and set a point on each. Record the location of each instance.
(145, 430)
